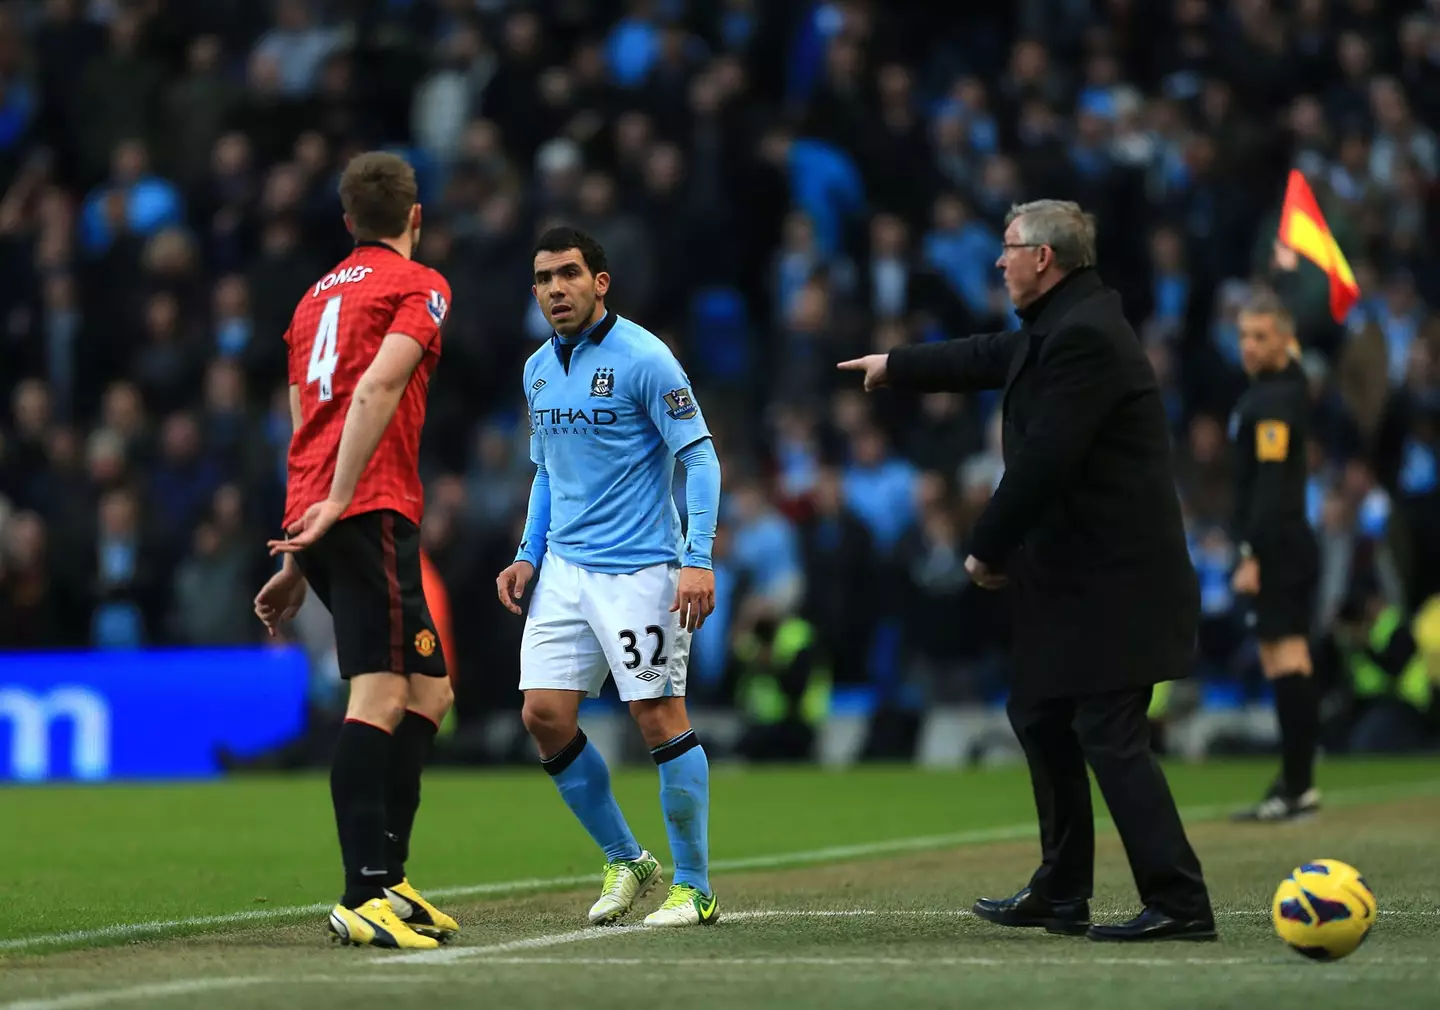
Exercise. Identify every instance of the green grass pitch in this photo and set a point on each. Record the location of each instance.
(837, 888)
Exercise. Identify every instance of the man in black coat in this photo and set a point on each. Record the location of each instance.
(1085, 529)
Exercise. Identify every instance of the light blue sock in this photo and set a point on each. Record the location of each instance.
(685, 799)
(583, 778)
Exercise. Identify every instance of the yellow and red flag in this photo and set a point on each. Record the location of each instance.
(1303, 228)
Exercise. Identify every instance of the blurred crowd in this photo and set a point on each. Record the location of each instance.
(779, 185)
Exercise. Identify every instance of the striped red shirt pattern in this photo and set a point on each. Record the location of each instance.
(335, 333)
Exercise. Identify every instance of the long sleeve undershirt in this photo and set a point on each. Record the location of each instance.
(702, 507)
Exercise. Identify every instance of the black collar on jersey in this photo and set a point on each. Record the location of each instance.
(600, 330)
(377, 244)
(596, 333)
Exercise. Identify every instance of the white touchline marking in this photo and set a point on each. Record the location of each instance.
(154, 990)
(445, 955)
(777, 860)
(495, 955)
(1268, 963)
(192, 986)
(449, 955)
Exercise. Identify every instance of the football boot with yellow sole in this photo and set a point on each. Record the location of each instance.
(417, 913)
(375, 924)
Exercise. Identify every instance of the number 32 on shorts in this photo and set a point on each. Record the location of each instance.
(630, 641)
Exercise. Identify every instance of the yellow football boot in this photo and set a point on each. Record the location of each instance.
(375, 924)
(417, 913)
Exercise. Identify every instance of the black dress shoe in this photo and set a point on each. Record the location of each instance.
(1068, 918)
(1152, 924)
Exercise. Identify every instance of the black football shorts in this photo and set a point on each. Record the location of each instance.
(1289, 585)
(366, 570)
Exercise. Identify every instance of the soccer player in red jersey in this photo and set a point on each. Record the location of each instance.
(363, 343)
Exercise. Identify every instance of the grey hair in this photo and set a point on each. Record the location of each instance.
(1265, 302)
(1061, 225)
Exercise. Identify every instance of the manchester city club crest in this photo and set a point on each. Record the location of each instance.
(603, 384)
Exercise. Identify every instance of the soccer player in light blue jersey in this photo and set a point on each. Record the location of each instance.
(620, 589)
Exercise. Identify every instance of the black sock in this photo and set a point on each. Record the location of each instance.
(1297, 707)
(414, 739)
(357, 788)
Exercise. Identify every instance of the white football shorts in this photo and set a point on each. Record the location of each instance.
(585, 625)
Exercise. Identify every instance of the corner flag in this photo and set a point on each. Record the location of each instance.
(1303, 228)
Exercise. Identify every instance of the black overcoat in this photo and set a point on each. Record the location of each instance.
(1086, 521)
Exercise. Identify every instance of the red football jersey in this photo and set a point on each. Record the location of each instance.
(335, 333)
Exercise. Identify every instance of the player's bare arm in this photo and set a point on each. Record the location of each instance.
(297, 411)
(280, 599)
(372, 405)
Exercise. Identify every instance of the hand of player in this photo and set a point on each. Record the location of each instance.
(694, 597)
(510, 586)
(873, 365)
(1283, 257)
(983, 576)
(280, 598)
(310, 527)
(1247, 577)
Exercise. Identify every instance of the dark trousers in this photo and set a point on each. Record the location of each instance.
(1110, 732)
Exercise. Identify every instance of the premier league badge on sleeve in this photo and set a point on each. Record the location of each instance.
(437, 306)
(679, 404)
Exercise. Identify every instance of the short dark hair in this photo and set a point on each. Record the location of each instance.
(564, 237)
(377, 190)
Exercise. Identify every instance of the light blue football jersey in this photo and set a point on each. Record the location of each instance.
(606, 425)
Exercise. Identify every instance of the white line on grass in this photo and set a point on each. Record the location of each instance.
(777, 860)
(194, 986)
(927, 962)
(191, 987)
(446, 955)
(498, 955)
(449, 955)
(154, 990)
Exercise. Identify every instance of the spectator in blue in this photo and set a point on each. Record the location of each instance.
(299, 47)
(633, 44)
(1090, 148)
(821, 23)
(184, 478)
(17, 109)
(969, 103)
(123, 578)
(766, 551)
(880, 488)
(1399, 315)
(150, 202)
(1170, 284)
(824, 183)
(963, 249)
(710, 645)
(796, 261)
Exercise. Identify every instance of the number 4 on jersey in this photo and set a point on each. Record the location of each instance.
(325, 353)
